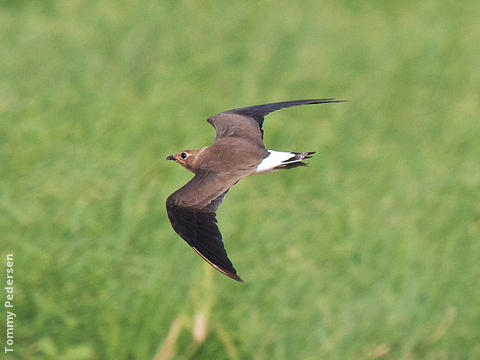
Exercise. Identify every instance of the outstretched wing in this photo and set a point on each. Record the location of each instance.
(247, 122)
(191, 211)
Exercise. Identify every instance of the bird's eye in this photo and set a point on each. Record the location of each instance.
(184, 155)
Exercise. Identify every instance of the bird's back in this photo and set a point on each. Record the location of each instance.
(231, 155)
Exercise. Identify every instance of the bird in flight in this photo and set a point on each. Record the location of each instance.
(237, 151)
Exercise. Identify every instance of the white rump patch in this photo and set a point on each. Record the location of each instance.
(274, 159)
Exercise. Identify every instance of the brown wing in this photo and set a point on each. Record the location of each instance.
(191, 211)
(247, 122)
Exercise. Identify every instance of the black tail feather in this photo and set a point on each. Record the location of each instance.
(295, 160)
(290, 165)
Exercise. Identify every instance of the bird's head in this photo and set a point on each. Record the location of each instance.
(186, 158)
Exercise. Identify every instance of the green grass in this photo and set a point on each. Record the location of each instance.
(372, 251)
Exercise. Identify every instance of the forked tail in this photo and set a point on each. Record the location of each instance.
(295, 160)
(278, 160)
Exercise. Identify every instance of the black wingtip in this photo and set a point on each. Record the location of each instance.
(236, 277)
(230, 274)
(326, 101)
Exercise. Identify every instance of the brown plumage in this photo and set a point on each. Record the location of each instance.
(238, 151)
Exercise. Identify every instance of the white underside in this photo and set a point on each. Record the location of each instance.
(274, 159)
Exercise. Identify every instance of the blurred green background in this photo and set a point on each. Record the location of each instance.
(371, 252)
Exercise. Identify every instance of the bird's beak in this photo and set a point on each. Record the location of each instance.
(170, 157)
